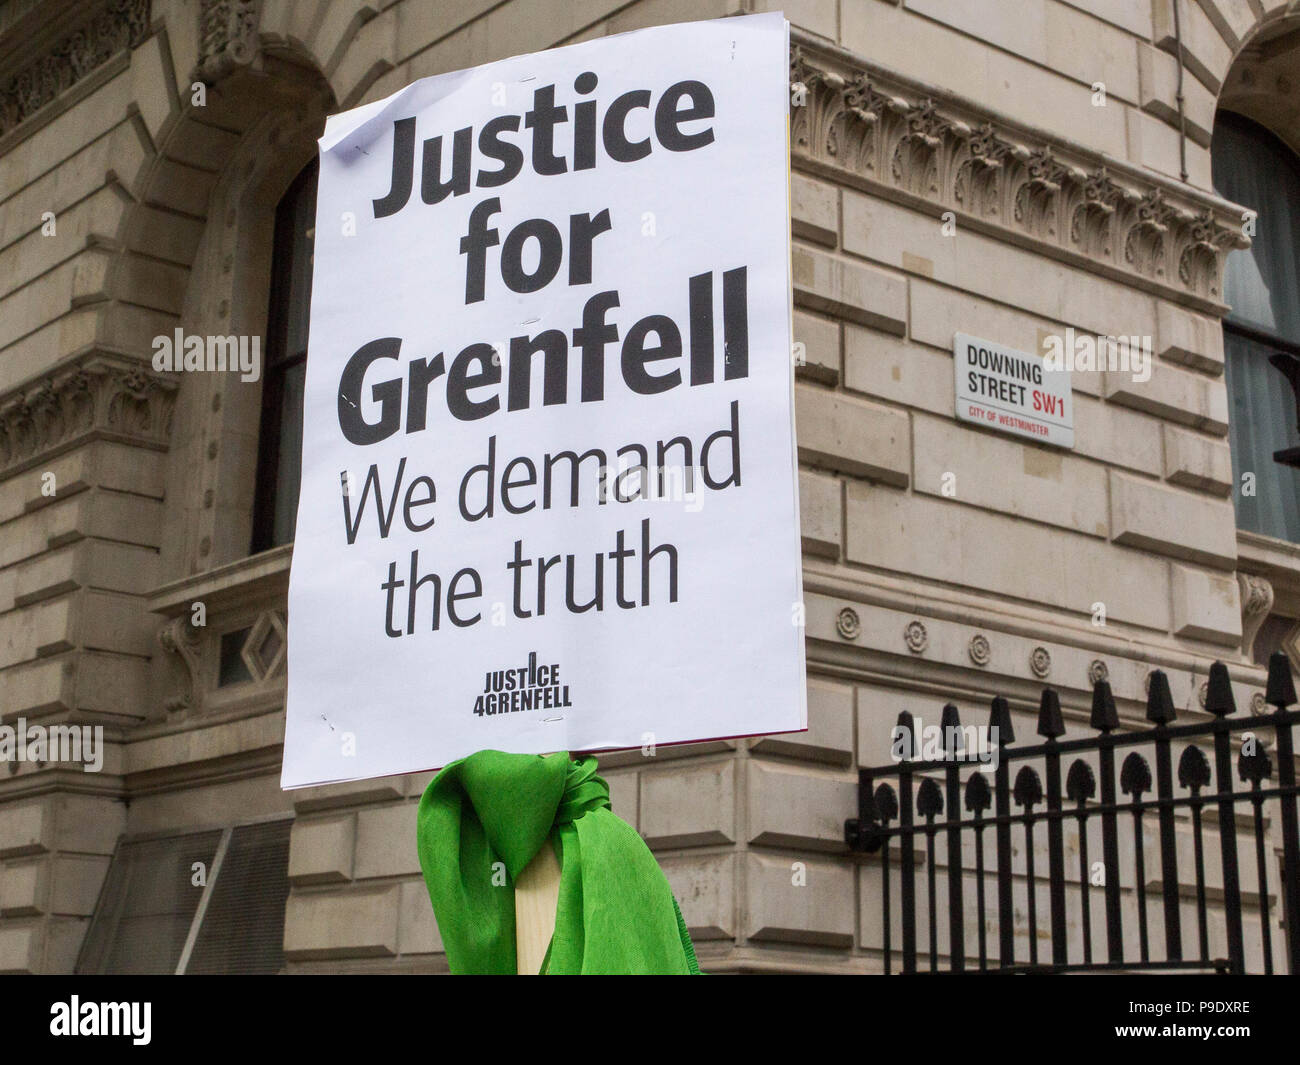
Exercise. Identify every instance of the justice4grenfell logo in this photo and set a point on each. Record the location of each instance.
(529, 687)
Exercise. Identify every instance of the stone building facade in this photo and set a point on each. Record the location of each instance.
(1008, 170)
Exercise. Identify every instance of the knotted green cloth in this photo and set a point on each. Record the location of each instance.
(615, 913)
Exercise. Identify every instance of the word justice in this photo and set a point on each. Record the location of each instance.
(679, 104)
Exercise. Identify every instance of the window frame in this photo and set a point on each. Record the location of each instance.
(1270, 340)
(277, 363)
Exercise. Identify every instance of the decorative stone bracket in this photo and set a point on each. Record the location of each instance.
(876, 130)
(1256, 602)
(182, 639)
(227, 38)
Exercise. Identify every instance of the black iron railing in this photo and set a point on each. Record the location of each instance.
(928, 797)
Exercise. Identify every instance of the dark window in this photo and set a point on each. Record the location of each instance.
(1261, 334)
(203, 902)
(231, 668)
(279, 460)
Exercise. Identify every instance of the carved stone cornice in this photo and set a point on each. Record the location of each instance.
(105, 395)
(227, 38)
(885, 134)
(100, 31)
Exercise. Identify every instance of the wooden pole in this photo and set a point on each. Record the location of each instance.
(536, 893)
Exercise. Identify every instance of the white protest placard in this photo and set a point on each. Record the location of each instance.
(1012, 391)
(549, 496)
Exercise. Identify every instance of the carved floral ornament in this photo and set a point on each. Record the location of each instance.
(848, 624)
(1040, 662)
(885, 134)
(109, 27)
(106, 395)
(227, 33)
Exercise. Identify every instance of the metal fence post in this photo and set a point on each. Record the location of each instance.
(1004, 736)
(1051, 726)
(1220, 702)
(1105, 720)
(1160, 711)
(1281, 694)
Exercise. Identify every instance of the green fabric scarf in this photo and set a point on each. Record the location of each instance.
(615, 913)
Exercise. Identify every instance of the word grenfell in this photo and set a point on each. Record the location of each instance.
(472, 383)
(684, 102)
(216, 354)
(530, 687)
